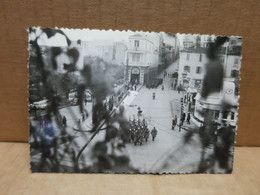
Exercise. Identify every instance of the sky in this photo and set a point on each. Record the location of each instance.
(94, 34)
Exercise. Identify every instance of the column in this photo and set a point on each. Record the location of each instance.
(141, 76)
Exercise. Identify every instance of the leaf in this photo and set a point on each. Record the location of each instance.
(100, 147)
(49, 32)
(112, 133)
(213, 79)
(74, 53)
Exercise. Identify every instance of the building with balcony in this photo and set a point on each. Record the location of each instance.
(142, 57)
(191, 76)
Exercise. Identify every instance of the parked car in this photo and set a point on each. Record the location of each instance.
(40, 105)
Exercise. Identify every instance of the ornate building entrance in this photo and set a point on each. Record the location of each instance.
(135, 75)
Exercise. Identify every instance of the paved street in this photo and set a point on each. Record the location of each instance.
(168, 145)
(168, 153)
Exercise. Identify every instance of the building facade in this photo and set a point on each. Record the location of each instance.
(142, 56)
(192, 67)
(212, 106)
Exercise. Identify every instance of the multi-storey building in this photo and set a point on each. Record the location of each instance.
(191, 67)
(142, 56)
(230, 56)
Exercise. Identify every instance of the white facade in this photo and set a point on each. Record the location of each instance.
(191, 69)
(194, 40)
(213, 104)
(143, 53)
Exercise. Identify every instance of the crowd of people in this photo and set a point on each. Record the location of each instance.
(139, 131)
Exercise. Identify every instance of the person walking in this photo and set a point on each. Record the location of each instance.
(180, 125)
(154, 133)
(183, 117)
(174, 122)
(83, 117)
(188, 119)
(64, 121)
(179, 89)
(175, 86)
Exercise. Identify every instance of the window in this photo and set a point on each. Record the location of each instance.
(187, 68)
(216, 114)
(236, 61)
(188, 56)
(225, 114)
(234, 73)
(233, 42)
(232, 117)
(198, 69)
(136, 57)
(200, 57)
(197, 83)
(136, 43)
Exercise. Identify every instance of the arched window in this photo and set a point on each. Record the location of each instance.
(187, 68)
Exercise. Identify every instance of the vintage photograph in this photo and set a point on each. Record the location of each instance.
(104, 101)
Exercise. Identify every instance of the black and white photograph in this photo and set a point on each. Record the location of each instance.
(109, 101)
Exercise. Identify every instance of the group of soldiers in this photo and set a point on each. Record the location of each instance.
(139, 131)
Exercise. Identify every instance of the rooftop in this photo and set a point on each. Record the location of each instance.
(232, 50)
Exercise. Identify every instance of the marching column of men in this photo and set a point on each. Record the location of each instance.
(140, 132)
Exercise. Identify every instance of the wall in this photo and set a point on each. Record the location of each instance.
(234, 17)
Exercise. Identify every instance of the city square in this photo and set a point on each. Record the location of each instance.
(135, 103)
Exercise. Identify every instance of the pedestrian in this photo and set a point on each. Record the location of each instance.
(180, 125)
(174, 122)
(64, 121)
(154, 133)
(78, 123)
(139, 112)
(172, 85)
(183, 117)
(135, 87)
(188, 119)
(83, 117)
(162, 87)
(189, 106)
(179, 89)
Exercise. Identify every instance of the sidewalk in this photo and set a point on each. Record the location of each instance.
(176, 110)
